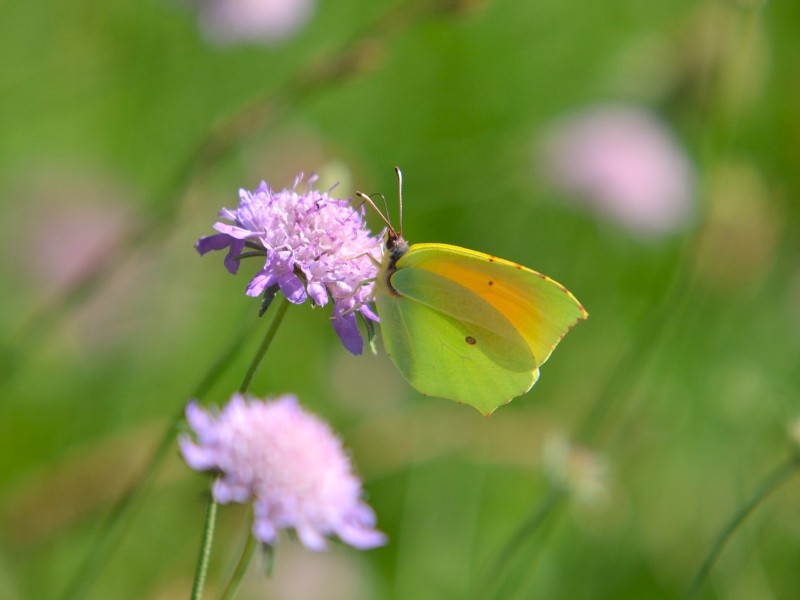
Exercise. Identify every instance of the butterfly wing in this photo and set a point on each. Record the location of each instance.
(449, 342)
(540, 309)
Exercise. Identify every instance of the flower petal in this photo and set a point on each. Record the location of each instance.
(262, 280)
(346, 327)
(235, 232)
(212, 242)
(361, 537)
(318, 293)
(293, 288)
(311, 538)
(231, 260)
(366, 310)
(197, 457)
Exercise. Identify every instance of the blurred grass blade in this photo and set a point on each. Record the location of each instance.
(771, 483)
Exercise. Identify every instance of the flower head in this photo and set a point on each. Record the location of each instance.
(576, 469)
(624, 164)
(289, 462)
(229, 21)
(314, 245)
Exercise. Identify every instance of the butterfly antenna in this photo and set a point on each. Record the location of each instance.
(400, 196)
(385, 206)
(383, 212)
(383, 217)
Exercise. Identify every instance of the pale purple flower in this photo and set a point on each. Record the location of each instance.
(623, 163)
(265, 21)
(576, 469)
(315, 247)
(289, 463)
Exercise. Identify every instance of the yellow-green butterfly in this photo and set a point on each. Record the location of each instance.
(465, 325)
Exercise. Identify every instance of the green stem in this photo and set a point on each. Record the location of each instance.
(205, 549)
(493, 579)
(241, 568)
(771, 483)
(265, 344)
(123, 512)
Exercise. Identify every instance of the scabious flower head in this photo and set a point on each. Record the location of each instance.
(266, 21)
(289, 462)
(624, 164)
(314, 245)
(576, 470)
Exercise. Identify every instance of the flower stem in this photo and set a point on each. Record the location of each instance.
(265, 344)
(771, 483)
(205, 549)
(241, 568)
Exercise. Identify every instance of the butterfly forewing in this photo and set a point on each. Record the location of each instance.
(539, 308)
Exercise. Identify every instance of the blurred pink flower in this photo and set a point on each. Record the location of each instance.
(82, 216)
(575, 469)
(266, 21)
(623, 163)
(289, 462)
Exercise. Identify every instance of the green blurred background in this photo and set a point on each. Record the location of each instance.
(123, 132)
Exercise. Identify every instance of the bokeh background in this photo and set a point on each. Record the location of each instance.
(126, 126)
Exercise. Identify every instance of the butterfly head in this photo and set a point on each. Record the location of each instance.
(396, 246)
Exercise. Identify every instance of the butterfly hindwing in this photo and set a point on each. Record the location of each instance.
(449, 342)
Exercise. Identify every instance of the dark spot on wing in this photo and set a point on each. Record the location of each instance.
(491, 259)
(491, 283)
(471, 340)
(519, 266)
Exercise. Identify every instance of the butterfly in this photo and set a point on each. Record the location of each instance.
(464, 325)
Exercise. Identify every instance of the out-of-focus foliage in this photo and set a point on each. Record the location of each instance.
(123, 131)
